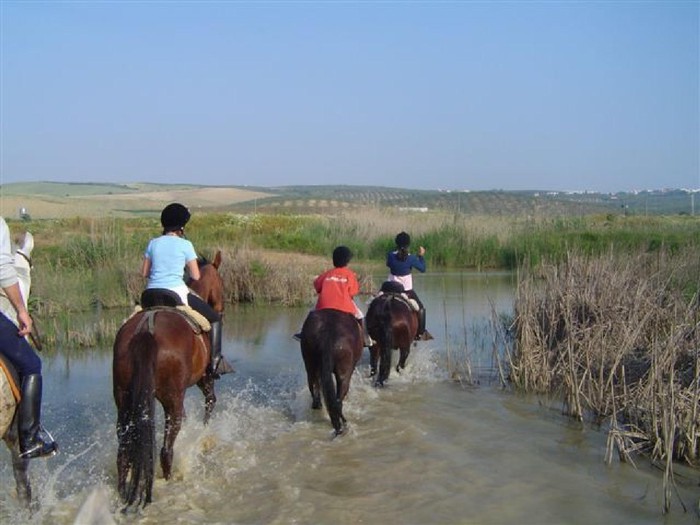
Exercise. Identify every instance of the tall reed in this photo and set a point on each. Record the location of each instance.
(617, 338)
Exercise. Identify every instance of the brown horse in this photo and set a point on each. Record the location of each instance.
(392, 322)
(159, 354)
(331, 345)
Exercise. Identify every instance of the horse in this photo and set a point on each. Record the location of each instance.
(331, 346)
(158, 354)
(9, 396)
(392, 322)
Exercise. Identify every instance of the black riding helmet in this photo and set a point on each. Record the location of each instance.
(174, 217)
(341, 256)
(403, 240)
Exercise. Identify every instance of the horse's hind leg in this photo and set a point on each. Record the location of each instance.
(313, 378)
(206, 385)
(402, 358)
(373, 358)
(174, 412)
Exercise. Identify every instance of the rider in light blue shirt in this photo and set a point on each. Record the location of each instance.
(173, 253)
(164, 261)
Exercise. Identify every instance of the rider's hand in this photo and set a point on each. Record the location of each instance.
(421, 251)
(25, 323)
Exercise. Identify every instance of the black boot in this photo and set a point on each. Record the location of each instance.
(34, 441)
(218, 364)
(423, 334)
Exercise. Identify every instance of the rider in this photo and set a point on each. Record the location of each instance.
(163, 263)
(34, 441)
(337, 287)
(400, 263)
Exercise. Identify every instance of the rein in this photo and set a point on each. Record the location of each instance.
(28, 259)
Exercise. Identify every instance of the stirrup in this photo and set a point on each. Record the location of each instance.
(222, 367)
(41, 448)
(425, 336)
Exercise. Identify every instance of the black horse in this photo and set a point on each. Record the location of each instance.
(331, 345)
(393, 323)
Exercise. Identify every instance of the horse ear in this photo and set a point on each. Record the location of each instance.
(217, 259)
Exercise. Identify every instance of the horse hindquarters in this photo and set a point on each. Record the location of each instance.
(136, 422)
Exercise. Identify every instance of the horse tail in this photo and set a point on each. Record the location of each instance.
(330, 390)
(136, 420)
(385, 338)
(387, 333)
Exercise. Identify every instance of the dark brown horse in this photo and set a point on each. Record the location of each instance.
(331, 345)
(392, 322)
(159, 354)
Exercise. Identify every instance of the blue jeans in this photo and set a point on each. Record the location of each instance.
(17, 350)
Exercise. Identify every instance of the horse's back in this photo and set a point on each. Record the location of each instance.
(328, 329)
(181, 355)
(394, 310)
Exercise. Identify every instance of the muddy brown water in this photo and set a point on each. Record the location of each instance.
(425, 450)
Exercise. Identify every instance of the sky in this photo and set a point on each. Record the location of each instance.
(459, 95)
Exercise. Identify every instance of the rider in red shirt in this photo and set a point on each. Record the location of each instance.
(337, 287)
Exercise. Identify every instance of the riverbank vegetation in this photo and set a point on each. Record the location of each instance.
(87, 263)
(606, 310)
(617, 337)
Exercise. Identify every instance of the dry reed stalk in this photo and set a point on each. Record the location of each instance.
(618, 340)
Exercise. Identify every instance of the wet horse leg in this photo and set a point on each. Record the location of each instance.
(174, 412)
(404, 351)
(313, 377)
(373, 358)
(19, 469)
(206, 385)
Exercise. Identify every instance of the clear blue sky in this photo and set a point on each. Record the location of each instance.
(599, 96)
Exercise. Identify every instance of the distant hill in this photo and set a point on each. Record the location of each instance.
(43, 200)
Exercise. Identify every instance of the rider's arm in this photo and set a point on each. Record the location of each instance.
(15, 296)
(193, 269)
(9, 282)
(146, 267)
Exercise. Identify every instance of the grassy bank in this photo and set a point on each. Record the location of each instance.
(82, 263)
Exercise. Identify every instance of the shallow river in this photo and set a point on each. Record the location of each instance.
(428, 449)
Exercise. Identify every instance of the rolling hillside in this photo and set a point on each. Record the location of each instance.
(43, 200)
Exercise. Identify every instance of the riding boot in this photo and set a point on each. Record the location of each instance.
(34, 441)
(218, 364)
(423, 334)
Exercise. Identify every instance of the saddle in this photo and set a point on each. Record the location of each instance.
(159, 299)
(396, 291)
